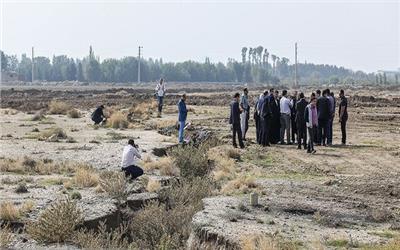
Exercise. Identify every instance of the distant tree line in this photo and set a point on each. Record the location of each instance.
(256, 65)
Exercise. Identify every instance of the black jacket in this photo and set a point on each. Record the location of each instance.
(274, 107)
(98, 115)
(266, 110)
(300, 108)
(235, 113)
(323, 108)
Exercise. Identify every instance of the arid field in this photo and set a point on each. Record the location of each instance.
(61, 185)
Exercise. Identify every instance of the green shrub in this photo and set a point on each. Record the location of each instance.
(76, 195)
(192, 161)
(57, 223)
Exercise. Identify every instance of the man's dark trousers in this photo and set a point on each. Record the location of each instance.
(237, 130)
(301, 133)
(330, 131)
(266, 130)
(322, 131)
(133, 171)
(343, 128)
(257, 120)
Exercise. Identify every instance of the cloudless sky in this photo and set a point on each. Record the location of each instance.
(361, 35)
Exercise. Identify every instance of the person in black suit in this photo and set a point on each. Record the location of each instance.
(293, 111)
(323, 108)
(275, 118)
(300, 121)
(343, 116)
(234, 120)
(265, 121)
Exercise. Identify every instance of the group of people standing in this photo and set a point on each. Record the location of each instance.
(276, 115)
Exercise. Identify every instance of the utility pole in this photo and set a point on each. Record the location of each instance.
(138, 77)
(295, 66)
(33, 65)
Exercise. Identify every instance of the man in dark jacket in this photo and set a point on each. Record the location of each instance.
(182, 117)
(300, 121)
(275, 118)
(234, 120)
(265, 120)
(98, 115)
(293, 117)
(324, 113)
(343, 116)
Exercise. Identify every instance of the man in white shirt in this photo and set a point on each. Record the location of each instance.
(160, 92)
(285, 105)
(130, 156)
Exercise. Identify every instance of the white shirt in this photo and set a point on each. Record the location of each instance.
(285, 105)
(160, 88)
(130, 155)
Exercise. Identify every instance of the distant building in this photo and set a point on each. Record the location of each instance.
(9, 76)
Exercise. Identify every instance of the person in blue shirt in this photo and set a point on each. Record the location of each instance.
(182, 116)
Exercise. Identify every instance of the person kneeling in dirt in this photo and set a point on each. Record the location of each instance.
(130, 155)
(98, 115)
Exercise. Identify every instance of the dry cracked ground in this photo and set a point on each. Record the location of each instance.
(341, 197)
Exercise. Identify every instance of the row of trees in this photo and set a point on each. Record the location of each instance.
(257, 65)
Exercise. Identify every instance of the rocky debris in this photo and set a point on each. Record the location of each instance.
(225, 221)
(52, 138)
(98, 209)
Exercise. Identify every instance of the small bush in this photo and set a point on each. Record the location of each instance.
(6, 236)
(21, 188)
(74, 113)
(103, 239)
(192, 161)
(241, 184)
(38, 116)
(115, 184)
(58, 108)
(86, 177)
(35, 130)
(57, 223)
(76, 195)
(118, 120)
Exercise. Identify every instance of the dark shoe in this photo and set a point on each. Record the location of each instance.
(299, 147)
(305, 146)
(313, 152)
(242, 147)
(282, 143)
(289, 143)
(235, 146)
(318, 144)
(309, 151)
(268, 145)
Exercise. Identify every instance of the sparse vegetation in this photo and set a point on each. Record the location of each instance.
(76, 195)
(6, 235)
(10, 212)
(242, 184)
(52, 134)
(28, 165)
(57, 223)
(266, 242)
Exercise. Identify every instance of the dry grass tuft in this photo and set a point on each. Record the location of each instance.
(74, 113)
(58, 108)
(86, 177)
(241, 184)
(118, 120)
(6, 236)
(57, 223)
(52, 134)
(9, 212)
(165, 165)
(265, 242)
(153, 185)
(224, 165)
(143, 110)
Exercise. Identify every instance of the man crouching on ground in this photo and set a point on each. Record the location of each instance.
(130, 156)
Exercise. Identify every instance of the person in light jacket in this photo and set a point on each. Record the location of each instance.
(160, 92)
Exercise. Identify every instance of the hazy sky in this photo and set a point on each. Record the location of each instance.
(356, 34)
